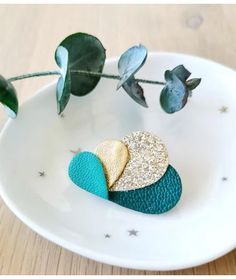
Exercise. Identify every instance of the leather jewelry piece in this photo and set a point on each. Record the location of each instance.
(146, 182)
(114, 156)
(148, 162)
(86, 171)
(154, 199)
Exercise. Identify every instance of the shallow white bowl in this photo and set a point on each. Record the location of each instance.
(201, 144)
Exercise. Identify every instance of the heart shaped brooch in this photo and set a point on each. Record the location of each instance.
(133, 172)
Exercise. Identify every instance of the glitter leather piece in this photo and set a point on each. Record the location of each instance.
(114, 156)
(148, 162)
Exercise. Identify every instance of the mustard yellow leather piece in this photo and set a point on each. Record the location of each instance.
(114, 156)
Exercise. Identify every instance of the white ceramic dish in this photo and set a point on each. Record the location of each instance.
(201, 144)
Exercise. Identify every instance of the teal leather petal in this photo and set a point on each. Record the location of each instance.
(154, 199)
(86, 171)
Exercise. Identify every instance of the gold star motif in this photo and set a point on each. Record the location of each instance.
(133, 233)
(41, 173)
(107, 235)
(223, 109)
(75, 151)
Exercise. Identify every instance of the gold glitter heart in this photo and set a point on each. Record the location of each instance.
(114, 156)
(148, 162)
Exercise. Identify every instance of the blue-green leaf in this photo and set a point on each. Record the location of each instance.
(181, 72)
(174, 95)
(64, 82)
(193, 83)
(86, 53)
(8, 97)
(135, 91)
(130, 62)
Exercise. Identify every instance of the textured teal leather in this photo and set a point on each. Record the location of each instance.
(86, 171)
(154, 199)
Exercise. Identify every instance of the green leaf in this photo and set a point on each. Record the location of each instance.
(130, 62)
(135, 91)
(64, 82)
(174, 95)
(85, 52)
(8, 97)
(193, 83)
(181, 72)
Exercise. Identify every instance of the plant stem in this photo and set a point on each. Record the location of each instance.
(88, 73)
(36, 74)
(81, 72)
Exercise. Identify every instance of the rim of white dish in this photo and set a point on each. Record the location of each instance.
(93, 254)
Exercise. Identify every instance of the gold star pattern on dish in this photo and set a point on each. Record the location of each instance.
(41, 173)
(133, 232)
(75, 151)
(223, 109)
(107, 235)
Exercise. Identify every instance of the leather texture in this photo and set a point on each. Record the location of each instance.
(154, 199)
(114, 156)
(86, 171)
(148, 161)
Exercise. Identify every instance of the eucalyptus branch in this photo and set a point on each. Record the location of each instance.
(36, 74)
(84, 51)
(89, 73)
(81, 72)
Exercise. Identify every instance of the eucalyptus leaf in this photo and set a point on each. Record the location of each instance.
(85, 52)
(64, 82)
(174, 95)
(135, 91)
(8, 97)
(130, 62)
(181, 72)
(193, 83)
